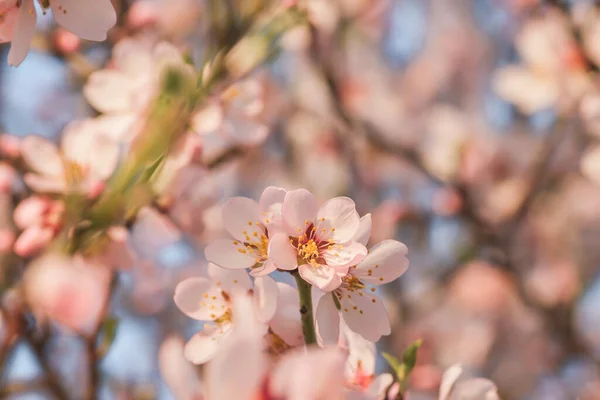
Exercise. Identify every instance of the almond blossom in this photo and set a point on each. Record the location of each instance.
(210, 300)
(122, 92)
(251, 225)
(86, 159)
(355, 300)
(320, 239)
(40, 219)
(90, 19)
(71, 291)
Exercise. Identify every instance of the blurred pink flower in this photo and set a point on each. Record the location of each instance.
(39, 218)
(252, 225)
(90, 19)
(178, 373)
(235, 115)
(173, 18)
(123, 92)
(70, 291)
(322, 238)
(85, 160)
(210, 300)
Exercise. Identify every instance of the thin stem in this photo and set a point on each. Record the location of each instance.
(306, 309)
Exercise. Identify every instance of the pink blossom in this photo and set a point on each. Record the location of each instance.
(211, 300)
(89, 19)
(39, 218)
(321, 238)
(122, 93)
(235, 115)
(251, 225)
(468, 389)
(70, 291)
(355, 301)
(85, 160)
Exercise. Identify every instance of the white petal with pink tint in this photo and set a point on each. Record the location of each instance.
(240, 214)
(42, 156)
(286, 322)
(298, 207)
(272, 195)
(89, 19)
(321, 275)
(385, 262)
(10, 16)
(263, 270)
(23, 33)
(282, 253)
(328, 320)
(350, 253)
(265, 298)
(225, 254)
(204, 345)
(199, 299)
(32, 240)
(177, 372)
(45, 184)
(363, 233)
(340, 214)
(449, 378)
(231, 281)
(377, 389)
(365, 315)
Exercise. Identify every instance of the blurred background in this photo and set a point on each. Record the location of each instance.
(469, 129)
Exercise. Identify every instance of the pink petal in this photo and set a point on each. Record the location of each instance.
(225, 254)
(345, 255)
(270, 196)
(42, 155)
(328, 320)
(177, 372)
(475, 389)
(22, 33)
(110, 91)
(362, 353)
(340, 214)
(11, 15)
(203, 346)
(320, 276)
(45, 183)
(385, 262)
(313, 374)
(208, 120)
(286, 321)
(373, 322)
(448, 380)
(30, 211)
(298, 207)
(363, 232)
(89, 19)
(282, 253)
(265, 298)
(245, 131)
(240, 215)
(199, 299)
(231, 281)
(263, 270)
(32, 241)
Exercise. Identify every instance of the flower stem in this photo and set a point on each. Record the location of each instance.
(306, 309)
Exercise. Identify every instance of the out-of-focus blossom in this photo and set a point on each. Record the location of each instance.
(86, 159)
(90, 19)
(122, 92)
(590, 164)
(179, 374)
(553, 73)
(210, 300)
(240, 370)
(355, 302)
(360, 367)
(40, 218)
(319, 237)
(468, 389)
(252, 225)
(173, 18)
(234, 116)
(70, 291)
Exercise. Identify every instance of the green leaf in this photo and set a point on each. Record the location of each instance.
(392, 361)
(108, 332)
(409, 358)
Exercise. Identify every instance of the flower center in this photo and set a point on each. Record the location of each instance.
(352, 283)
(256, 242)
(309, 250)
